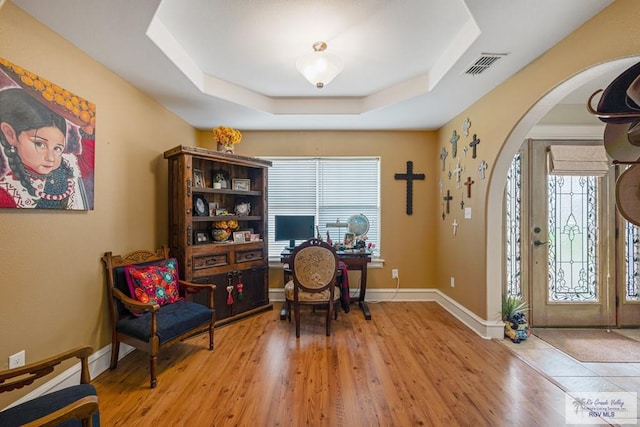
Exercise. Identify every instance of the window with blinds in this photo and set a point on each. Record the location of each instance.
(331, 189)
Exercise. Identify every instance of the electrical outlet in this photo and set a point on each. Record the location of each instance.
(453, 282)
(17, 360)
(394, 273)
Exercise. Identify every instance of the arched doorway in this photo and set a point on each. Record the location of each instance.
(495, 220)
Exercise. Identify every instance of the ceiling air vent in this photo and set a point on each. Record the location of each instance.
(485, 61)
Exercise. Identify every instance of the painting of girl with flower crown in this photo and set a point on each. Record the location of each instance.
(47, 144)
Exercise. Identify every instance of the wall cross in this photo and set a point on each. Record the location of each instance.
(443, 157)
(473, 144)
(447, 199)
(482, 167)
(409, 177)
(469, 183)
(454, 144)
(457, 171)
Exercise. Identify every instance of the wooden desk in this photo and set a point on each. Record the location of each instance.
(355, 261)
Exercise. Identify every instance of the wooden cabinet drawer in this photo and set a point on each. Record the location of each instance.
(210, 260)
(248, 256)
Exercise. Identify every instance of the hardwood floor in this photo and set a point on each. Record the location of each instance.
(412, 364)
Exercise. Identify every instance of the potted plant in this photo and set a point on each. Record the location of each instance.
(514, 317)
(217, 181)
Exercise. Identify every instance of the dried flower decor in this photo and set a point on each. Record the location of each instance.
(226, 136)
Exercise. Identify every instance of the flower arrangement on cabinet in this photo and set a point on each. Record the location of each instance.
(226, 137)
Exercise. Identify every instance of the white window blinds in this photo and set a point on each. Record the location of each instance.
(329, 188)
(578, 160)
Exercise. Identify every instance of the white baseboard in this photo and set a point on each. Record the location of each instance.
(487, 329)
(100, 360)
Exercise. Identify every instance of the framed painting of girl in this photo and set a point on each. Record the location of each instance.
(47, 144)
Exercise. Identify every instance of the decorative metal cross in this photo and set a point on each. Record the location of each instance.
(457, 171)
(466, 125)
(473, 144)
(443, 156)
(482, 167)
(469, 183)
(462, 202)
(454, 144)
(409, 177)
(454, 224)
(447, 199)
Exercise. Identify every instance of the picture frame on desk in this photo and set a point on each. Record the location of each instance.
(349, 240)
(238, 237)
(240, 184)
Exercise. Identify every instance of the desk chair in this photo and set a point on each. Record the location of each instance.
(314, 267)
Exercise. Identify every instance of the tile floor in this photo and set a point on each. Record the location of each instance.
(572, 375)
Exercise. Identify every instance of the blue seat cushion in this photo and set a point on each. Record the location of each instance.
(173, 320)
(46, 404)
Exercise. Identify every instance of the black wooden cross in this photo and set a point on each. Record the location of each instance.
(473, 144)
(447, 198)
(409, 177)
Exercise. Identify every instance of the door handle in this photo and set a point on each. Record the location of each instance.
(539, 243)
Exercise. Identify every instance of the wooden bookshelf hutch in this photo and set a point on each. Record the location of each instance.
(203, 260)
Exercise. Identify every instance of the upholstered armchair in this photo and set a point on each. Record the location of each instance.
(150, 308)
(314, 268)
(74, 405)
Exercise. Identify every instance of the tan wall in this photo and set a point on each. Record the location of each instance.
(52, 280)
(609, 35)
(407, 241)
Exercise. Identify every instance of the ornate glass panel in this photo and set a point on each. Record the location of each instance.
(513, 216)
(573, 237)
(632, 258)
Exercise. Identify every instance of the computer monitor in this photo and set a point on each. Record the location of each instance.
(294, 227)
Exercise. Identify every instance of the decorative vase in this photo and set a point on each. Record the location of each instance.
(225, 148)
(220, 234)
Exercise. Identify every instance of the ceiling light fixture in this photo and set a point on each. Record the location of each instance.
(319, 67)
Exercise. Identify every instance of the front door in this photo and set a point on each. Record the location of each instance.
(572, 274)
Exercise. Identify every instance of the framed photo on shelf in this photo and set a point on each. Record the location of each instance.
(200, 206)
(221, 212)
(254, 238)
(213, 207)
(238, 236)
(198, 178)
(241, 184)
(201, 238)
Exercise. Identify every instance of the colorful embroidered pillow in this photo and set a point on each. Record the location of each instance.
(154, 284)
